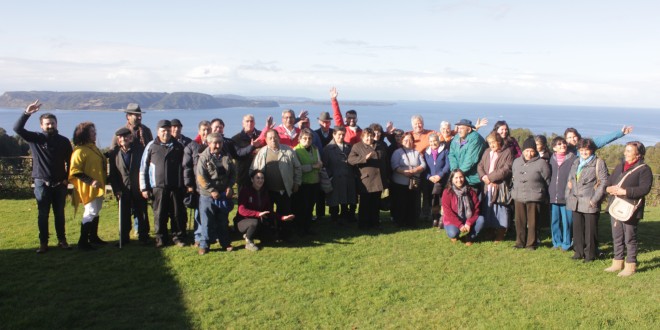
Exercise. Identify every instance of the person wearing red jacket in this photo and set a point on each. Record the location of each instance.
(461, 209)
(255, 209)
(353, 131)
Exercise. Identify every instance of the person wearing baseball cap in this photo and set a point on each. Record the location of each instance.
(161, 179)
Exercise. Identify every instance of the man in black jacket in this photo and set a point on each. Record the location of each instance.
(161, 179)
(124, 162)
(51, 154)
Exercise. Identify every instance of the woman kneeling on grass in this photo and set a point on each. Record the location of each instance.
(632, 181)
(460, 206)
(255, 210)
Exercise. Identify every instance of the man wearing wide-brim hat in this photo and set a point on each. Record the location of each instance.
(141, 133)
(465, 152)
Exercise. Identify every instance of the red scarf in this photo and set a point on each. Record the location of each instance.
(627, 166)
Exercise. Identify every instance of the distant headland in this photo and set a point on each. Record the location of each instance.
(154, 100)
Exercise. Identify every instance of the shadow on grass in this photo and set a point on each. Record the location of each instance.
(107, 288)
(325, 231)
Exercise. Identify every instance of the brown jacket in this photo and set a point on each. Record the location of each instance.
(373, 172)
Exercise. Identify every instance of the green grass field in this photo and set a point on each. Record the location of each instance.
(340, 278)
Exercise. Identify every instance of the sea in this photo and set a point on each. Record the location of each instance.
(540, 119)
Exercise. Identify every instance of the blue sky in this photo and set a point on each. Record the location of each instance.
(542, 52)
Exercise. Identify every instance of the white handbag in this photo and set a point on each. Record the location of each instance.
(620, 208)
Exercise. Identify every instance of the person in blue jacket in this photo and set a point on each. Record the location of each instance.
(572, 137)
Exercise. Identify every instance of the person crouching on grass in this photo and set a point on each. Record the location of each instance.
(460, 205)
(215, 178)
(88, 176)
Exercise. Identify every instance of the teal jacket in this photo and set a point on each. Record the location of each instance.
(466, 157)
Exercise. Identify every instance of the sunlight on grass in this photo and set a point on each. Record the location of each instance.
(338, 278)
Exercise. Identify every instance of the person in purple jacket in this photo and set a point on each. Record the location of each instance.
(437, 164)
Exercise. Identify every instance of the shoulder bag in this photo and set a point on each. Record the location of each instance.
(620, 208)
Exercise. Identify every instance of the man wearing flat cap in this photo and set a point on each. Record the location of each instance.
(161, 179)
(141, 134)
(465, 152)
(124, 162)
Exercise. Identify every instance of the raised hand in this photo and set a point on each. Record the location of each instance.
(32, 108)
(333, 93)
(303, 114)
(389, 127)
(627, 129)
(269, 122)
(481, 122)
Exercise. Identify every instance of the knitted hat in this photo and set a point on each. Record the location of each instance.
(529, 143)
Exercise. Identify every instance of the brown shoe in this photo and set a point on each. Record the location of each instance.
(202, 252)
(64, 245)
(454, 240)
(229, 248)
(43, 248)
(468, 243)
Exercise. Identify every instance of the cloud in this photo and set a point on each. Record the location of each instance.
(261, 66)
(365, 45)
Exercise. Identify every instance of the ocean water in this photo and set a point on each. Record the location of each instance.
(590, 121)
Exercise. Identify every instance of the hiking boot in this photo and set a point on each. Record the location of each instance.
(43, 248)
(64, 245)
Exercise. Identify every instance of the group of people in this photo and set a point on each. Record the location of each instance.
(453, 178)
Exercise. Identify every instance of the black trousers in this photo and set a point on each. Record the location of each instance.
(132, 203)
(585, 235)
(369, 211)
(303, 205)
(405, 205)
(169, 202)
(283, 206)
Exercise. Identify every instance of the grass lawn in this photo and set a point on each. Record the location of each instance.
(340, 278)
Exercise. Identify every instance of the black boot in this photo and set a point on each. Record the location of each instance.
(94, 233)
(83, 242)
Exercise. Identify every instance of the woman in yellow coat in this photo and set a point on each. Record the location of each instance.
(88, 176)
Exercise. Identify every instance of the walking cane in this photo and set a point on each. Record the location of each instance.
(120, 223)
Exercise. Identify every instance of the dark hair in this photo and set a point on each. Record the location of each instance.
(641, 149)
(376, 127)
(494, 136)
(542, 140)
(351, 112)
(501, 123)
(339, 129)
(255, 172)
(558, 139)
(204, 123)
(574, 131)
(587, 143)
(367, 131)
(272, 130)
(451, 177)
(411, 136)
(47, 115)
(218, 120)
(81, 133)
(398, 132)
(305, 131)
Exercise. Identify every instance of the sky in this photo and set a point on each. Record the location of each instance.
(578, 52)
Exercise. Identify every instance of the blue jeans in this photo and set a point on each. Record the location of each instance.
(48, 197)
(561, 226)
(453, 231)
(215, 224)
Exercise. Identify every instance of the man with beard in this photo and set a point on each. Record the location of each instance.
(51, 154)
(141, 134)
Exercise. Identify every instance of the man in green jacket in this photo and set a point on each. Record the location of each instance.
(465, 152)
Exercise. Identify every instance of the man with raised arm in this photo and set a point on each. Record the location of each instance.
(51, 154)
(353, 131)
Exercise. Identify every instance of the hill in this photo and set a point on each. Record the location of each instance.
(119, 100)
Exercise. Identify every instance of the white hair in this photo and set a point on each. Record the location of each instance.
(416, 117)
(445, 123)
